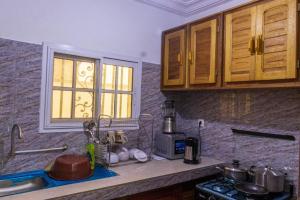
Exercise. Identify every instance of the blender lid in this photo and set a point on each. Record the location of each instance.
(170, 104)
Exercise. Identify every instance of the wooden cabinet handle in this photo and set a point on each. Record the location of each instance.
(252, 46)
(179, 58)
(259, 45)
(190, 57)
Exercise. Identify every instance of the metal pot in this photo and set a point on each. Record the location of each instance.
(275, 180)
(234, 171)
(267, 177)
(251, 174)
(251, 189)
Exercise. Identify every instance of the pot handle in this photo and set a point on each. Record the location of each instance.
(251, 171)
(220, 168)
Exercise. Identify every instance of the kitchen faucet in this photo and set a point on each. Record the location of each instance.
(16, 129)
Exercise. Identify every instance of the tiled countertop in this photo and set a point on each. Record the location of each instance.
(132, 179)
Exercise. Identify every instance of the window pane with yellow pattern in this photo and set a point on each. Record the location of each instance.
(72, 88)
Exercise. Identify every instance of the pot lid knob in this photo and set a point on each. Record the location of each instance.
(235, 162)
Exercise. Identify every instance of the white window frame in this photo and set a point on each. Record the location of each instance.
(45, 124)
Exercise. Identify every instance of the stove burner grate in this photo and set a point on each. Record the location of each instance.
(224, 188)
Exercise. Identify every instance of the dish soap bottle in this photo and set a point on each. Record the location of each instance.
(90, 149)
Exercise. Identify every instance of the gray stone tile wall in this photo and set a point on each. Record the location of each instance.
(274, 111)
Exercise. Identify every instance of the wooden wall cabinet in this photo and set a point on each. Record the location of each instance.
(260, 42)
(276, 40)
(192, 62)
(174, 62)
(253, 46)
(203, 52)
(240, 45)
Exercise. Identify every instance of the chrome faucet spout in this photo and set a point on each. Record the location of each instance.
(16, 129)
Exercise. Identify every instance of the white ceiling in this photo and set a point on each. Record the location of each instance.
(184, 7)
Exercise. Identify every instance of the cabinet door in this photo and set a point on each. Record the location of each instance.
(276, 40)
(168, 193)
(174, 59)
(202, 57)
(240, 45)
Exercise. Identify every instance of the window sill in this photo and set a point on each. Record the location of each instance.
(69, 129)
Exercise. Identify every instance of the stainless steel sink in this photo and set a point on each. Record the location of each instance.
(8, 187)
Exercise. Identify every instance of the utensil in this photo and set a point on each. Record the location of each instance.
(140, 156)
(234, 171)
(89, 125)
(251, 174)
(120, 137)
(251, 189)
(269, 178)
(259, 174)
(88, 130)
(111, 137)
(112, 158)
(94, 138)
(275, 180)
(71, 167)
(123, 154)
(131, 153)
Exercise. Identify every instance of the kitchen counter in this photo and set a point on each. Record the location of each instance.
(131, 179)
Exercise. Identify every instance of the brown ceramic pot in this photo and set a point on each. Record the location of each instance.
(71, 167)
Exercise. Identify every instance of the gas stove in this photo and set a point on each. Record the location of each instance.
(222, 188)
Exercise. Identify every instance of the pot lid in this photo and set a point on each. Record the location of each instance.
(266, 171)
(234, 167)
(273, 172)
(259, 169)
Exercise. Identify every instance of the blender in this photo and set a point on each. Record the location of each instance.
(169, 115)
(169, 143)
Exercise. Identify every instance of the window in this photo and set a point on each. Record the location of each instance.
(73, 88)
(78, 85)
(116, 90)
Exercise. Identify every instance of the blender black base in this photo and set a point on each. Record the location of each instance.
(194, 162)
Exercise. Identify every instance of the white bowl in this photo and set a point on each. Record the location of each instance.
(114, 158)
(140, 156)
(131, 153)
(123, 154)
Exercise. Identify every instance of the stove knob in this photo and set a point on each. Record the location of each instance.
(201, 196)
(212, 198)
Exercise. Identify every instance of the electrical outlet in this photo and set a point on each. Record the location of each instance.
(202, 123)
